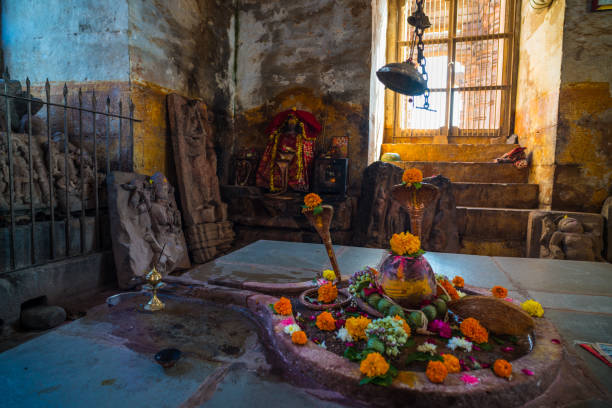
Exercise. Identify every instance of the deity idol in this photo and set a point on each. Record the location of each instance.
(292, 136)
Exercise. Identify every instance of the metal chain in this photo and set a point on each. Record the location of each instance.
(419, 30)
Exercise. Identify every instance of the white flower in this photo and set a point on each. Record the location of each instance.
(427, 348)
(291, 328)
(344, 335)
(323, 345)
(461, 343)
(460, 293)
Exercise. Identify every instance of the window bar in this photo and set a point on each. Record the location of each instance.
(131, 108)
(82, 172)
(107, 137)
(32, 214)
(96, 235)
(51, 189)
(496, 23)
(66, 170)
(119, 161)
(11, 175)
(450, 72)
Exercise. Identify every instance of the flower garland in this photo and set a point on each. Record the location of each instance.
(436, 372)
(356, 327)
(458, 282)
(374, 365)
(452, 363)
(472, 328)
(329, 275)
(499, 292)
(406, 244)
(283, 307)
(412, 177)
(325, 321)
(533, 308)
(327, 293)
(299, 337)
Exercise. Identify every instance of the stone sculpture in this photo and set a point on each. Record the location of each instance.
(566, 238)
(206, 226)
(144, 221)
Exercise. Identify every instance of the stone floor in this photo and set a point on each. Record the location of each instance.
(105, 359)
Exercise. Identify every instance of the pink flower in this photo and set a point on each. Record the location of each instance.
(464, 366)
(442, 328)
(312, 317)
(476, 348)
(527, 372)
(507, 349)
(485, 365)
(555, 341)
(431, 341)
(469, 379)
(287, 322)
(509, 300)
(350, 344)
(339, 323)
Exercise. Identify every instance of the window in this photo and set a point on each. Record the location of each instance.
(470, 52)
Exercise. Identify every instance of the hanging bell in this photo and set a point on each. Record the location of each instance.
(403, 78)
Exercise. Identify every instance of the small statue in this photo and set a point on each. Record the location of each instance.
(567, 239)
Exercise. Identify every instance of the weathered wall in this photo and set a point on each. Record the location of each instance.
(312, 54)
(537, 99)
(380, 10)
(583, 176)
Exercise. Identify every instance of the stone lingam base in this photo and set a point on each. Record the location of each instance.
(313, 366)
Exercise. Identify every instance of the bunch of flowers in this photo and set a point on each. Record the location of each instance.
(458, 282)
(427, 348)
(452, 292)
(312, 202)
(472, 328)
(356, 327)
(299, 337)
(533, 308)
(364, 279)
(412, 177)
(374, 365)
(327, 293)
(441, 327)
(452, 363)
(460, 342)
(325, 321)
(291, 328)
(283, 306)
(390, 332)
(499, 292)
(344, 335)
(405, 325)
(436, 372)
(502, 368)
(406, 244)
(329, 275)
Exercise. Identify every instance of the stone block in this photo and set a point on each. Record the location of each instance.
(42, 317)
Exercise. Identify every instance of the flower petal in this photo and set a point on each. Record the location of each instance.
(527, 372)
(469, 379)
(507, 349)
(556, 341)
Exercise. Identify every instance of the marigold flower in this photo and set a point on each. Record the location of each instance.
(404, 325)
(502, 368)
(436, 372)
(412, 176)
(471, 328)
(499, 292)
(374, 365)
(452, 363)
(325, 321)
(458, 282)
(283, 306)
(533, 308)
(452, 292)
(312, 200)
(329, 275)
(405, 243)
(356, 327)
(299, 337)
(327, 293)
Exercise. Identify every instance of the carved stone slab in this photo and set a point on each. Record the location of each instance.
(144, 219)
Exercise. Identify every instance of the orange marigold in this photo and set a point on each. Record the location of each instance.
(458, 282)
(502, 368)
(283, 306)
(374, 365)
(404, 325)
(471, 328)
(412, 176)
(327, 293)
(405, 243)
(299, 337)
(325, 321)
(452, 363)
(356, 327)
(436, 372)
(452, 292)
(312, 200)
(499, 292)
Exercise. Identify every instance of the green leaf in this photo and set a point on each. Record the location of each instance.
(352, 354)
(366, 380)
(271, 306)
(417, 185)
(317, 210)
(409, 342)
(419, 356)
(485, 346)
(385, 381)
(513, 339)
(498, 340)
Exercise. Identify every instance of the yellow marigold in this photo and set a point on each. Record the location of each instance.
(458, 282)
(329, 275)
(299, 337)
(471, 328)
(436, 372)
(325, 321)
(327, 293)
(283, 306)
(499, 292)
(374, 365)
(412, 176)
(404, 324)
(356, 327)
(452, 292)
(452, 363)
(312, 200)
(502, 368)
(533, 308)
(405, 243)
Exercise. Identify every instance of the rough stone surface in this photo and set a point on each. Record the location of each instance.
(144, 221)
(581, 239)
(42, 317)
(441, 220)
(606, 212)
(208, 230)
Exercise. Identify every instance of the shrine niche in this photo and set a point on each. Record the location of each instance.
(288, 159)
(207, 228)
(145, 227)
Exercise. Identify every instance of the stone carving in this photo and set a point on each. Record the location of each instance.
(144, 220)
(207, 229)
(566, 238)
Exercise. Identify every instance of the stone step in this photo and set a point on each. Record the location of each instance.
(471, 172)
(447, 152)
(497, 224)
(497, 195)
